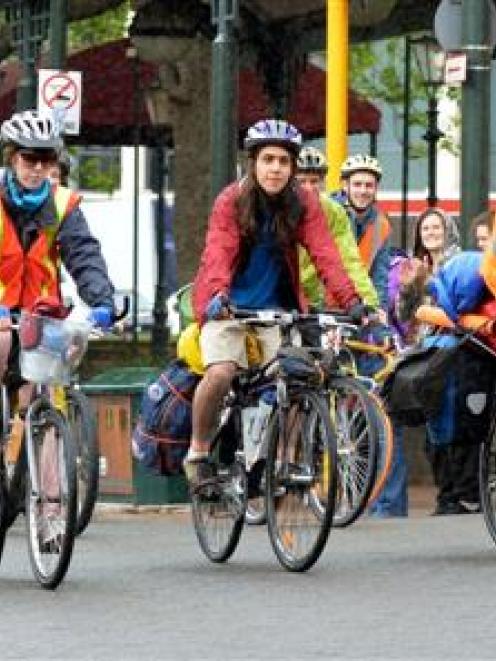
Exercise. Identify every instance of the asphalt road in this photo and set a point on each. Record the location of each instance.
(139, 588)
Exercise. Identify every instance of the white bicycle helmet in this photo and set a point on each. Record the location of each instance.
(273, 132)
(31, 130)
(361, 163)
(311, 160)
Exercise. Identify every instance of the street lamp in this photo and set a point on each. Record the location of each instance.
(431, 60)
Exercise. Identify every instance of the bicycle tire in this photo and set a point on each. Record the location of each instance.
(353, 413)
(487, 480)
(218, 504)
(386, 447)
(82, 424)
(299, 464)
(219, 507)
(50, 560)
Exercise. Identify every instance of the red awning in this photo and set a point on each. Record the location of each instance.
(308, 106)
(108, 97)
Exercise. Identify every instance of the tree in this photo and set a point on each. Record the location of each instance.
(107, 26)
(377, 73)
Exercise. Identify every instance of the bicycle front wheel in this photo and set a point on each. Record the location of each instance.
(51, 497)
(487, 480)
(82, 425)
(301, 471)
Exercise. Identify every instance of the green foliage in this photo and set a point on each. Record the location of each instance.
(93, 177)
(108, 26)
(377, 73)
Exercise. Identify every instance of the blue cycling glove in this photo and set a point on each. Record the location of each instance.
(217, 305)
(102, 317)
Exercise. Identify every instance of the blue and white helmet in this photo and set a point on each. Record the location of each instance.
(273, 132)
(32, 130)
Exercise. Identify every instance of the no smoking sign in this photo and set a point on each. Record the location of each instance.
(59, 92)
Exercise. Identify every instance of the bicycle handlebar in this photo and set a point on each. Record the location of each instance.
(285, 318)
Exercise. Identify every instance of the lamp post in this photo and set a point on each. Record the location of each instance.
(430, 59)
(224, 14)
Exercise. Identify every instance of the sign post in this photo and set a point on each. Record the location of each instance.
(59, 92)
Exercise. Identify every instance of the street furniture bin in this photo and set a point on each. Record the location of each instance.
(116, 396)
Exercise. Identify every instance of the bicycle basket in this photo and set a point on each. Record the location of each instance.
(50, 348)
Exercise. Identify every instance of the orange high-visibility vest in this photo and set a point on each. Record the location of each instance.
(25, 276)
(374, 237)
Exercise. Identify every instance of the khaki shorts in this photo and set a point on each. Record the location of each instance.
(225, 341)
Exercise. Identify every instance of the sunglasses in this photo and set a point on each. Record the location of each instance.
(44, 157)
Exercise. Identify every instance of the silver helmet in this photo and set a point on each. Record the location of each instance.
(311, 160)
(274, 132)
(31, 130)
(361, 163)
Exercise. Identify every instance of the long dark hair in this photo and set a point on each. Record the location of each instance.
(285, 207)
(419, 250)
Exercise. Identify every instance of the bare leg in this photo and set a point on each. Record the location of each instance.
(206, 403)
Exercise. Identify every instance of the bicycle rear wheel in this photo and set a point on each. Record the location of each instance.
(51, 510)
(301, 471)
(219, 506)
(82, 425)
(487, 480)
(355, 419)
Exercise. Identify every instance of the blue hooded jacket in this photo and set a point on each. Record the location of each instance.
(458, 287)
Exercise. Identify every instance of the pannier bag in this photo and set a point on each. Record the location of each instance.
(465, 412)
(413, 392)
(162, 435)
(447, 385)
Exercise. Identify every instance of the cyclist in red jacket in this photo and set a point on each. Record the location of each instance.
(250, 260)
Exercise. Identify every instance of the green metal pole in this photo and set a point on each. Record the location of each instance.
(26, 89)
(476, 99)
(224, 95)
(58, 33)
(159, 331)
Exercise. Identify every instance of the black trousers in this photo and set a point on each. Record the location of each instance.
(456, 471)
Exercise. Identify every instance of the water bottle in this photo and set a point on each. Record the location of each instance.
(255, 420)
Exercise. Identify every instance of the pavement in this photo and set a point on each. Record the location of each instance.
(421, 497)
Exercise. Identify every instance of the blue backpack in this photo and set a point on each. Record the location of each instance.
(162, 435)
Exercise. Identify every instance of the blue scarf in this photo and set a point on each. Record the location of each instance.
(27, 200)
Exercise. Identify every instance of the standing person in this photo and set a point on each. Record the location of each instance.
(311, 172)
(60, 170)
(481, 229)
(454, 467)
(250, 259)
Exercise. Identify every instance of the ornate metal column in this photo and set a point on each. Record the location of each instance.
(224, 94)
(29, 24)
